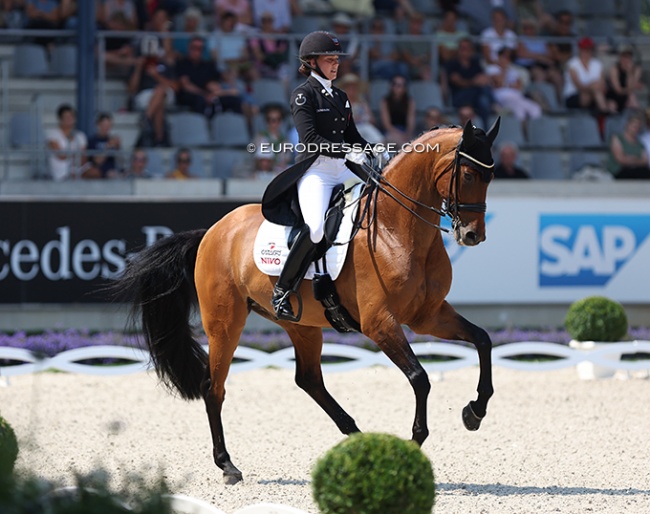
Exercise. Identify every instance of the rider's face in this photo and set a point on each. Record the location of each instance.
(329, 65)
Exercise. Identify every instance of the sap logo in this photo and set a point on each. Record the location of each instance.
(454, 250)
(587, 250)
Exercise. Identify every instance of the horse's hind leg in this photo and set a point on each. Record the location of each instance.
(308, 344)
(223, 329)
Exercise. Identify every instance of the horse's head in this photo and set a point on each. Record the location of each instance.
(468, 182)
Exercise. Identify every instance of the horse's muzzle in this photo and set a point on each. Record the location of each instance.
(467, 237)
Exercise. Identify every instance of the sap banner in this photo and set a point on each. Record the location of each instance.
(556, 250)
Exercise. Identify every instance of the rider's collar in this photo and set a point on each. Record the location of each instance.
(327, 84)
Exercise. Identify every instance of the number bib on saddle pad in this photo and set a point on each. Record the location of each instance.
(270, 250)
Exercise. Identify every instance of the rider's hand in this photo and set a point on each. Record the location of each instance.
(359, 158)
(381, 154)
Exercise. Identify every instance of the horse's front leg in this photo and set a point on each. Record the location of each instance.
(390, 338)
(448, 324)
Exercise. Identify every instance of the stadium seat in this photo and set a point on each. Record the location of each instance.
(613, 125)
(224, 161)
(30, 61)
(188, 129)
(547, 91)
(267, 91)
(156, 162)
(426, 94)
(26, 130)
(510, 130)
(547, 166)
(545, 132)
(578, 160)
(196, 166)
(582, 131)
(230, 129)
(304, 24)
(377, 89)
(64, 61)
(553, 6)
(599, 8)
(600, 28)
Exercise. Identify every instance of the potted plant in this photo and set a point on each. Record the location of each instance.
(592, 322)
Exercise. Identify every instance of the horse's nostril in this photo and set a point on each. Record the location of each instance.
(471, 236)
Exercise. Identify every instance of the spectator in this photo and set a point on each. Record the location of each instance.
(433, 117)
(12, 14)
(508, 87)
(232, 97)
(466, 113)
(241, 8)
(562, 27)
(534, 55)
(229, 47)
(382, 54)
(106, 9)
(68, 19)
(507, 163)
(152, 87)
(192, 24)
(270, 157)
(395, 9)
(119, 52)
(198, 81)
(363, 116)
(468, 82)
(478, 12)
(627, 157)
(158, 46)
(282, 9)
(270, 55)
(343, 27)
(397, 110)
(104, 165)
(584, 82)
(624, 80)
(183, 161)
(449, 35)
(416, 53)
(67, 147)
(137, 165)
(43, 15)
(497, 36)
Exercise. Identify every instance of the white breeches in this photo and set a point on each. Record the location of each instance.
(315, 189)
(520, 106)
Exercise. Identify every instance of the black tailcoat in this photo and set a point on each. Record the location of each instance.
(320, 119)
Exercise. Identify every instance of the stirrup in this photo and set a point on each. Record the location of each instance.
(283, 302)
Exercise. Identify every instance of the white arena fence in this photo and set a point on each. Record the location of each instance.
(607, 356)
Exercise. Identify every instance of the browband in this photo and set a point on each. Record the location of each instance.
(475, 161)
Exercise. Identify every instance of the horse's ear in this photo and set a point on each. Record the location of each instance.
(468, 134)
(494, 130)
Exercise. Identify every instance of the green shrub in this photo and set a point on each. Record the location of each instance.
(596, 318)
(8, 448)
(374, 474)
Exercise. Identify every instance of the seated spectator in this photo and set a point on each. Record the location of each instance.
(119, 52)
(584, 82)
(343, 27)
(507, 87)
(43, 15)
(152, 88)
(449, 35)
(396, 9)
(561, 50)
(627, 157)
(137, 165)
(624, 81)
(363, 115)
(507, 163)
(282, 9)
(397, 110)
(232, 97)
(229, 48)
(158, 46)
(497, 36)
(466, 113)
(269, 158)
(67, 147)
(270, 55)
(478, 12)
(183, 160)
(433, 117)
(241, 8)
(382, 54)
(104, 165)
(192, 23)
(468, 82)
(106, 9)
(12, 14)
(417, 54)
(198, 81)
(534, 55)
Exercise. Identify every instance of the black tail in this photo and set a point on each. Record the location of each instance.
(159, 284)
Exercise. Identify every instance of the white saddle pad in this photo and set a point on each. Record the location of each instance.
(270, 250)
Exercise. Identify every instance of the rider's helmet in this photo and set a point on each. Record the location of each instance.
(319, 43)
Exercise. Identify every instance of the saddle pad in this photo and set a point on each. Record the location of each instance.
(270, 250)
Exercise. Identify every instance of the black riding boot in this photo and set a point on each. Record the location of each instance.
(298, 261)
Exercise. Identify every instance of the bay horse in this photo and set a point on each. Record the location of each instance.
(397, 272)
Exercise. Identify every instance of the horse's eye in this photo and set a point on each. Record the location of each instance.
(468, 177)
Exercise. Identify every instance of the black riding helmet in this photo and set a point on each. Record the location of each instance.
(318, 43)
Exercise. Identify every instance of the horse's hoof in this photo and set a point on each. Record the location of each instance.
(471, 421)
(232, 478)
